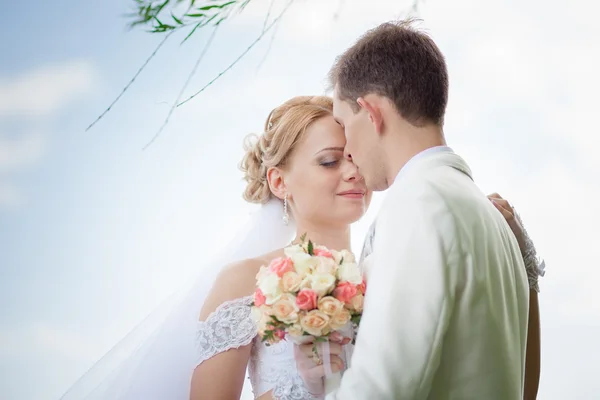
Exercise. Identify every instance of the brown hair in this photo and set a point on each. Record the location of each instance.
(399, 62)
(284, 129)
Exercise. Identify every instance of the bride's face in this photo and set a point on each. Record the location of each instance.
(323, 185)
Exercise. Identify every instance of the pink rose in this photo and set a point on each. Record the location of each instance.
(322, 252)
(344, 292)
(279, 333)
(306, 299)
(281, 265)
(259, 298)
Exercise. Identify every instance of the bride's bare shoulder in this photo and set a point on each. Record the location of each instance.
(235, 281)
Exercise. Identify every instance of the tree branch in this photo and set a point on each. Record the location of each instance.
(185, 85)
(273, 23)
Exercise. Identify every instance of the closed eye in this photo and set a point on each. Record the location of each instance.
(329, 164)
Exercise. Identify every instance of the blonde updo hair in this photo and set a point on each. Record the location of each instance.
(284, 128)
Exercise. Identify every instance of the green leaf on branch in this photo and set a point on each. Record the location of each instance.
(176, 19)
(217, 6)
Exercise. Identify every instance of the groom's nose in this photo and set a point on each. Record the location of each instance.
(350, 170)
(347, 155)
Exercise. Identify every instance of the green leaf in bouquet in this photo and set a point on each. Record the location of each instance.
(356, 318)
(303, 237)
(311, 248)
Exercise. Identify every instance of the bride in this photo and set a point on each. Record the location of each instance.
(202, 347)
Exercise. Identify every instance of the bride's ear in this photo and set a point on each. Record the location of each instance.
(276, 182)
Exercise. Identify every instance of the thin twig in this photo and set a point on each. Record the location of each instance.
(268, 14)
(131, 81)
(240, 56)
(272, 37)
(184, 87)
(268, 48)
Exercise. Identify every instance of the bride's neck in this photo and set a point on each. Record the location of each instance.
(332, 238)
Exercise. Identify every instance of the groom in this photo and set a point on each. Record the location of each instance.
(445, 316)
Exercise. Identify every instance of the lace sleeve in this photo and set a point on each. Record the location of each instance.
(534, 266)
(229, 326)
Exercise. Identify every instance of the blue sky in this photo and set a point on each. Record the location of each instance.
(95, 232)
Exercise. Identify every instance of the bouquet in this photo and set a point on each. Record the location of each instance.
(308, 294)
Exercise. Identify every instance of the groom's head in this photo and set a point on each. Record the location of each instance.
(393, 83)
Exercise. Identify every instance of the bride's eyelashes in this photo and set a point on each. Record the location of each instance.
(329, 163)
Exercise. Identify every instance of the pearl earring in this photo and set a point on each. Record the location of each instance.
(286, 216)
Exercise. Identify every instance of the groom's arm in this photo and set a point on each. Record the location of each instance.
(409, 301)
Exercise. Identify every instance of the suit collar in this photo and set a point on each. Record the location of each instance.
(435, 157)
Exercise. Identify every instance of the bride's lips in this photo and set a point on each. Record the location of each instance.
(353, 194)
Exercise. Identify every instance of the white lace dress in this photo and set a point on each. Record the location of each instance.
(273, 367)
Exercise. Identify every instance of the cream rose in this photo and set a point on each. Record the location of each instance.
(262, 272)
(315, 323)
(340, 319)
(295, 330)
(349, 272)
(261, 317)
(285, 309)
(357, 302)
(330, 305)
(291, 282)
(303, 262)
(325, 265)
(322, 283)
(306, 283)
(270, 287)
(343, 257)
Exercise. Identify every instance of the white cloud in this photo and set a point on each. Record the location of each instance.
(45, 90)
(20, 152)
(15, 155)
(30, 99)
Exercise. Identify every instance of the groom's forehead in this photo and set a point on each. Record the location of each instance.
(339, 106)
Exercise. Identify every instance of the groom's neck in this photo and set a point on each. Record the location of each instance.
(330, 237)
(406, 141)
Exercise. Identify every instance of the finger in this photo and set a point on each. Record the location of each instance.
(305, 349)
(508, 215)
(334, 348)
(336, 337)
(495, 196)
(336, 365)
(305, 353)
(503, 203)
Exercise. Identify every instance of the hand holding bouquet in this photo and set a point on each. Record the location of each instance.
(308, 294)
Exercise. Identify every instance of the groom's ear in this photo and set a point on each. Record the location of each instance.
(276, 182)
(370, 104)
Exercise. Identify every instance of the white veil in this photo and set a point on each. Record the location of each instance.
(156, 360)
